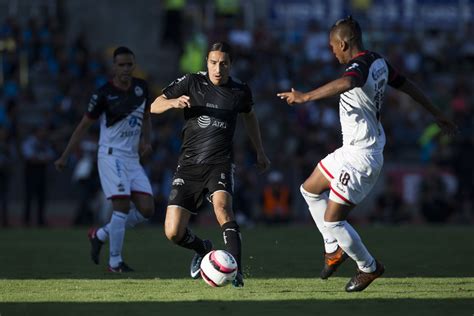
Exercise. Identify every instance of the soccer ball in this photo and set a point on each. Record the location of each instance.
(218, 268)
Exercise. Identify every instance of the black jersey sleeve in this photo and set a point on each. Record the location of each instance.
(395, 79)
(247, 101)
(178, 87)
(97, 105)
(358, 70)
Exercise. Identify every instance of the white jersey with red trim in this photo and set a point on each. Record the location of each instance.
(359, 108)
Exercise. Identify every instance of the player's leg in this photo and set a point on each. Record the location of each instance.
(115, 183)
(177, 231)
(314, 191)
(142, 195)
(121, 208)
(222, 203)
(350, 186)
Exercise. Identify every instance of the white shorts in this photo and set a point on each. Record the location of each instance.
(121, 176)
(352, 174)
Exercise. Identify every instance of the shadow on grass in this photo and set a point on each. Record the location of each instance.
(366, 307)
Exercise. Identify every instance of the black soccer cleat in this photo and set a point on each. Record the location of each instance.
(121, 268)
(238, 281)
(332, 261)
(96, 245)
(362, 279)
(195, 268)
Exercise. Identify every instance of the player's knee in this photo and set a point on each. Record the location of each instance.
(147, 212)
(308, 196)
(173, 233)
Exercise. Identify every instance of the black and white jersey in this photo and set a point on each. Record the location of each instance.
(210, 121)
(359, 108)
(121, 115)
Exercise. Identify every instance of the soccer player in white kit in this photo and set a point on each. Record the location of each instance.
(350, 172)
(122, 107)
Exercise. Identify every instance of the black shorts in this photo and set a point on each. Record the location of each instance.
(192, 183)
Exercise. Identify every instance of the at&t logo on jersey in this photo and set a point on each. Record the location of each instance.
(204, 121)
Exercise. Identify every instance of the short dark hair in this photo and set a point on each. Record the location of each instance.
(123, 50)
(349, 30)
(222, 47)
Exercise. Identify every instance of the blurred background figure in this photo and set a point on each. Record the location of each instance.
(276, 199)
(38, 153)
(6, 163)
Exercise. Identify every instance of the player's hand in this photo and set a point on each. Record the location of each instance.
(60, 164)
(263, 163)
(292, 97)
(447, 126)
(182, 102)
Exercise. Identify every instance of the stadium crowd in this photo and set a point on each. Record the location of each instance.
(46, 83)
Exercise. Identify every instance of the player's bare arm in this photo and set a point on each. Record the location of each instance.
(446, 125)
(330, 89)
(253, 130)
(145, 141)
(163, 104)
(76, 137)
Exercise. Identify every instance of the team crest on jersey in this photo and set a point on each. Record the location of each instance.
(138, 91)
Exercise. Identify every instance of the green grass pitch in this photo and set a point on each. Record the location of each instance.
(429, 271)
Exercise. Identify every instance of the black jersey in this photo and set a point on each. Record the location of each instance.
(210, 121)
(121, 113)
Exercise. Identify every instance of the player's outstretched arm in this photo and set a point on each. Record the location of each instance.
(330, 89)
(253, 130)
(163, 104)
(446, 125)
(76, 137)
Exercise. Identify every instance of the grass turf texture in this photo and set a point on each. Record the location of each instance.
(429, 270)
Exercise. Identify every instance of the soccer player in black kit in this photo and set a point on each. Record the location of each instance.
(211, 102)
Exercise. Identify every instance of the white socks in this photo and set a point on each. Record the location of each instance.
(117, 234)
(134, 217)
(317, 206)
(350, 242)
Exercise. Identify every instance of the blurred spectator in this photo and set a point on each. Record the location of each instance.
(276, 199)
(173, 22)
(435, 203)
(389, 207)
(86, 177)
(6, 163)
(38, 154)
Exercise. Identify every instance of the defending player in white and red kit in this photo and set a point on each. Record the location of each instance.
(350, 172)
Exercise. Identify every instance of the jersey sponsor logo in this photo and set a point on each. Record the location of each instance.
(133, 121)
(221, 183)
(112, 97)
(379, 72)
(178, 181)
(138, 91)
(219, 124)
(201, 93)
(204, 121)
